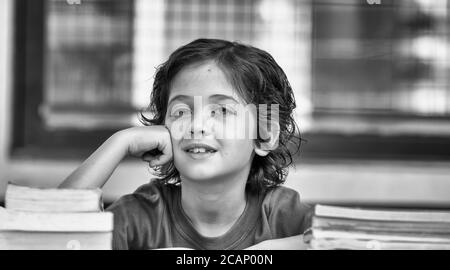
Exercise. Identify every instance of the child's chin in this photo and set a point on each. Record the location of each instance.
(198, 172)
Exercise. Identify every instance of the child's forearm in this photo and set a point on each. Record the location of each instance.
(96, 170)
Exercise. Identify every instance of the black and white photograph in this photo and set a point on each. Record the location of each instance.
(256, 126)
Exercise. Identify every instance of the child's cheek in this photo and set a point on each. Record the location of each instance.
(230, 128)
(241, 126)
(179, 128)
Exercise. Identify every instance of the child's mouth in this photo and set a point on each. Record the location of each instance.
(200, 150)
(197, 151)
(200, 153)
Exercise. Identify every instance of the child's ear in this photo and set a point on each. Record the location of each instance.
(272, 136)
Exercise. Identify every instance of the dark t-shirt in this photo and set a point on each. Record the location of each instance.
(152, 217)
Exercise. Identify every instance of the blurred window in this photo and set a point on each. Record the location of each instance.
(369, 80)
(88, 64)
(381, 83)
(85, 67)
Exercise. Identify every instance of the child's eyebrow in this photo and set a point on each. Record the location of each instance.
(179, 97)
(222, 97)
(216, 97)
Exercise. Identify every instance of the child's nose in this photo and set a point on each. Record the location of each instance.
(200, 126)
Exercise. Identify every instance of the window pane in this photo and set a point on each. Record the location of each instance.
(88, 63)
(392, 58)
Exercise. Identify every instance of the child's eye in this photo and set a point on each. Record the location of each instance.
(222, 110)
(180, 111)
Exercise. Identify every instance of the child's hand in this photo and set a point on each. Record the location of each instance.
(152, 144)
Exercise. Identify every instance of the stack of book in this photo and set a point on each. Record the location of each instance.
(336, 227)
(54, 219)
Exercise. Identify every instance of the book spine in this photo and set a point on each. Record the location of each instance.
(364, 214)
(56, 222)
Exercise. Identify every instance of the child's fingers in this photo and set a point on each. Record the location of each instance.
(165, 157)
(153, 161)
(160, 160)
(159, 156)
(148, 157)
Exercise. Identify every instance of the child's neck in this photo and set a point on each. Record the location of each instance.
(214, 206)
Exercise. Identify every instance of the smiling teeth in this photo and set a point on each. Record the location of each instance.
(199, 150)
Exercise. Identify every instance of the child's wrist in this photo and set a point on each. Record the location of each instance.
(120, 140)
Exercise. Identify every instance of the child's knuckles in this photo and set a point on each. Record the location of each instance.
(166, 159)
(163, 159)
(148, 157)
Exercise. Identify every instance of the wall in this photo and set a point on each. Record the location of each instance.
(398, 183)
(416, 183)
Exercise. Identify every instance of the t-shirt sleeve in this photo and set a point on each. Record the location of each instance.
(138, 219)
(286, 214)
(121, 222)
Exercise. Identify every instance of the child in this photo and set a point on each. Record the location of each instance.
(214, 191)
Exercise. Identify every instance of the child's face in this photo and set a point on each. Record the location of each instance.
(196, 110)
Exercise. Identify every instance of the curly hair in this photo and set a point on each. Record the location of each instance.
(258, 79)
